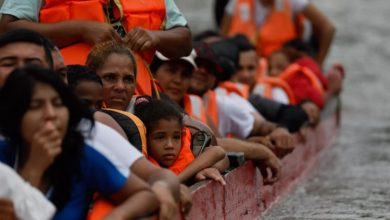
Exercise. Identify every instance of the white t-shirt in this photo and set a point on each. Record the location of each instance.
(280, 95)
(261, 12)
(28, 202)
(112, 145)
(233, 118)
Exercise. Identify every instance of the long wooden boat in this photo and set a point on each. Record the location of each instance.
(245, 196)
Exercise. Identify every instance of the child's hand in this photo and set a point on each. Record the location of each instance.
(185, 199)
(210, 173)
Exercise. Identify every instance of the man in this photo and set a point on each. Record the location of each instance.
(145, 26)
(23, 47)
(271, 23)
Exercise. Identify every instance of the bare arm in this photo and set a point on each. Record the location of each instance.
(261, 126)
(152, 174)
(205, 160)
(110, 122)
(63, 33)
(173, 43)
(262, 157)
(323, 29)
(135, 199)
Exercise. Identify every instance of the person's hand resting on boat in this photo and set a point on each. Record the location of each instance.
(282, 141)
(168, 206)
(312, 111)
(210, 173)
(270, 168)
(185, 199)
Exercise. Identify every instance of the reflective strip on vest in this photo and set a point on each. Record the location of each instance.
(196, 106)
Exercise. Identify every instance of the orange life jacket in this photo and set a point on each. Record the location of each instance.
(278, 28)
(243, 20)
(234, 87)
(294, 69)
(193, 106)
(135, 13)
(265, 86)
(185, 156)
(211, 105)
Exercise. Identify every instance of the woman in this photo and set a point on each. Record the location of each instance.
(41, 121)
(115, 65)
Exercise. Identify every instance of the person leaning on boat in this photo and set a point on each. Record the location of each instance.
(75, 26)
(276, 21)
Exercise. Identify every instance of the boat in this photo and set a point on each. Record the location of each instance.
(245, 196)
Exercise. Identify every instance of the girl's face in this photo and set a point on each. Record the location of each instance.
(46, 109)
(164, 141)
(174, 77)
(118, 81)
(277, 63)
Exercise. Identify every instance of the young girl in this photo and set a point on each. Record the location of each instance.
(166, 144)
(41, 119)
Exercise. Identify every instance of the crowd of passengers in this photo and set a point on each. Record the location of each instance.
(115, 137)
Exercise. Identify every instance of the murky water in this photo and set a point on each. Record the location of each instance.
(352, 179)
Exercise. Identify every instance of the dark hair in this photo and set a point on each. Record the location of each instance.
(28, 36)
(206, 34)
(155, 64)
(243, 43)
(16, 96)
(300, 46)
(100, 52)
(227, 53)
(79, 73)
(150, 111)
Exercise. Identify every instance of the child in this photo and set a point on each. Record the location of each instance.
(86, 84)
(168, 145)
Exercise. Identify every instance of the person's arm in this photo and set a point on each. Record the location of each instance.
(165, 41)
(262, 156)
(324, 30)
(205, 160)
(164, 184)
(106, 119)
(63, 33)
(135, 199)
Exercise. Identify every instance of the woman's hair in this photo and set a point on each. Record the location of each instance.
(100, 52)
(79, 73)
(150, 111)
(16, 96)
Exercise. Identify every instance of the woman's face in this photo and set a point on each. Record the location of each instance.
(118, 81)
(174, 77)
(164, 141)
(46, 110)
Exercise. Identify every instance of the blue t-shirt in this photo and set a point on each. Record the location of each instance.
(103, 168)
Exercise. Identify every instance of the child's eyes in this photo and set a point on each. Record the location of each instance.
(177, 137)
